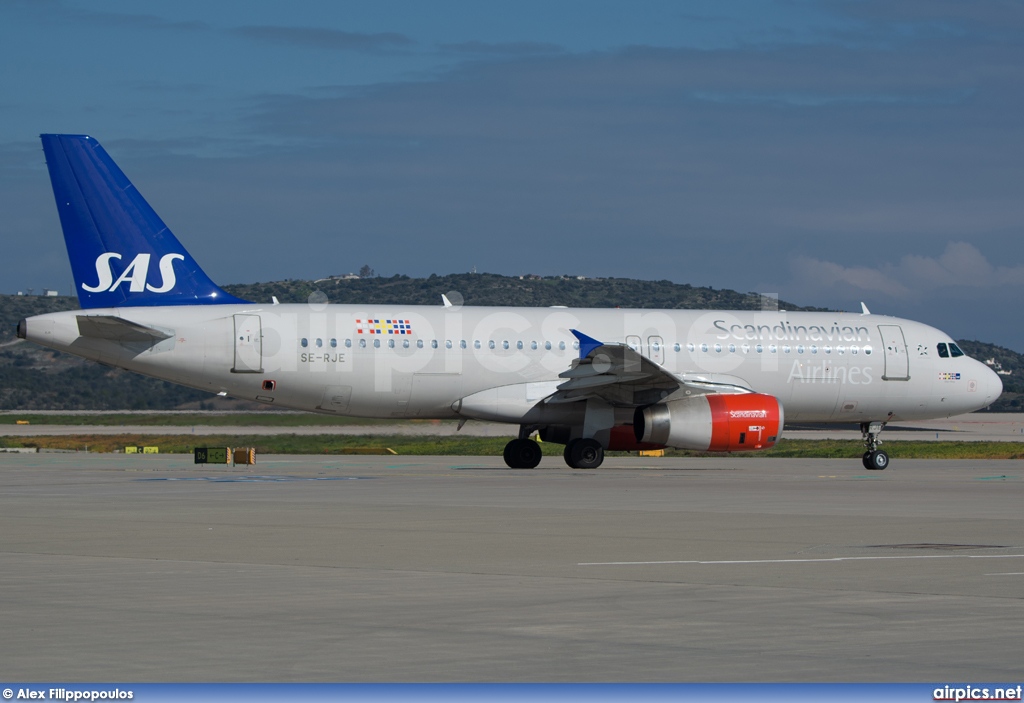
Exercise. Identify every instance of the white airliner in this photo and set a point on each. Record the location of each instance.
(593, 380)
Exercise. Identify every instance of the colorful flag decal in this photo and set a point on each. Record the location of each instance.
(383, 327)
(947, 376)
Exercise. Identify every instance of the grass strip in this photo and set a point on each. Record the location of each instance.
(264, 419)
(490, 446)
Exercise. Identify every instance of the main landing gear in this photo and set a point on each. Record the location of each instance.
(524, 453)
(583, 454)
(874, 459)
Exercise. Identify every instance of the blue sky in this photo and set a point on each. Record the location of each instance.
(830, 152)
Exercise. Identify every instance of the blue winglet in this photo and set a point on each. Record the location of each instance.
(587, 344)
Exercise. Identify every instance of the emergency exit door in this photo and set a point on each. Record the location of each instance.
(248, 344)
(897, 361)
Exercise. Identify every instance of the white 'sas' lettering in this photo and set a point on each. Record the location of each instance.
(136, 274)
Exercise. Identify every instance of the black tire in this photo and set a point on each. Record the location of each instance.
(522, 454)
(866, 460)
(508, 454)
(567, 452)
(529, 454)
(586, 454)
(879, 461)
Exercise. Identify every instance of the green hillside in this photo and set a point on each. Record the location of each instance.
(492, 289)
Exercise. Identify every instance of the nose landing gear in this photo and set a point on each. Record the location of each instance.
(874, 459)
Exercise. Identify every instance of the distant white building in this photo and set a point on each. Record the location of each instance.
(342, 277)
(50, 292)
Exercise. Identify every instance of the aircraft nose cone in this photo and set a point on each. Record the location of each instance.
(992, 385)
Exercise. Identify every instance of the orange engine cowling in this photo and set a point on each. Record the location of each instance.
(714, 423)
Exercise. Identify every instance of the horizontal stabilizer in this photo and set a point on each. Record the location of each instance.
(118, 329)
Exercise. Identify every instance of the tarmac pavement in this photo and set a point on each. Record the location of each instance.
(150, 568)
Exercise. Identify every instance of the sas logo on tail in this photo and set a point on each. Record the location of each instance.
(136, 275)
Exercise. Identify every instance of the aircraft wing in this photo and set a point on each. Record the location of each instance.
(620, 375)
(118, 329)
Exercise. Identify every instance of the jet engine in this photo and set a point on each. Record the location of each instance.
(715, 422)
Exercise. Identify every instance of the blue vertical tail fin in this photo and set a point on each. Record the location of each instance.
(122, 254)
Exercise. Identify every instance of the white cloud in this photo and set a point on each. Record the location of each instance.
(961, 265)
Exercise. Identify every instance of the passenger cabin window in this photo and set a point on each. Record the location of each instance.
(304, 342)
(943, 351)
(954, 350)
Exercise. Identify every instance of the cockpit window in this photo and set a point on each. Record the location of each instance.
(954, 350)
(943, 352)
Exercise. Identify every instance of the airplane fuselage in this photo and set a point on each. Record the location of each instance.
(393, 361)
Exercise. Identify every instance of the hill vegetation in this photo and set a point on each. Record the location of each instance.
(35, 378)
(492, 289)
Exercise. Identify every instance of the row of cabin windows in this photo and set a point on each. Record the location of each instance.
(656, 347)
(953, 350)
(773, 348)
(435, 344)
